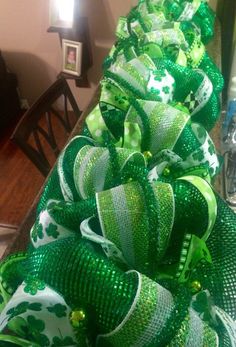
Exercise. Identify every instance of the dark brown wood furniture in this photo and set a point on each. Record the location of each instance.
(33, 134)
(20, 239)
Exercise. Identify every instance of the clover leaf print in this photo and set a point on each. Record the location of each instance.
(34, 329)
(18, 325)
(19, 309)
(59, 310)
(199, 155)
(35, 324)
(33, 285)
(211, 147)
(159, 74)
(22, 308)
(30, 329)
(67, 341)
(166, 89)
(201, 132)
(52, 231)
(120, 99)
(37, 232)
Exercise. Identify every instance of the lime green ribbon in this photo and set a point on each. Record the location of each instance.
(193, 252)
(195, 53)
(189, 9)
(206, 190)
(122, 31)
(124, 221)
(194, 249)
(93, 170)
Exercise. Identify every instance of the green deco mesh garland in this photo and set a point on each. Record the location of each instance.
(131, 245)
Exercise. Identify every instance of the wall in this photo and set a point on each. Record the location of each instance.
(35, 55)
(213, 4)
(30, 52)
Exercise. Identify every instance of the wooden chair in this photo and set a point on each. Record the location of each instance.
(35, 134)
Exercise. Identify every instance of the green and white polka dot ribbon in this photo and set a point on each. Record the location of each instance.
(97, 126)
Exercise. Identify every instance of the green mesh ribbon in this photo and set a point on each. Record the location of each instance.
(124, 220)
(133, 192)
(154, 306)
(93, 168)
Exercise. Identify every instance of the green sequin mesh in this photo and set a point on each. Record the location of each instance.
(186, 143)
(187, 220)
(83, 276)
(219, 278)
(70, 215)
(204, 19)
(188, 80)
(51, 191)
(212, 71)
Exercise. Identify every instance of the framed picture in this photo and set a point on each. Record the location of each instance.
(61, 13)
(72, 57)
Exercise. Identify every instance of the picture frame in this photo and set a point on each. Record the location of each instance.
(61, 14)
(71, 57)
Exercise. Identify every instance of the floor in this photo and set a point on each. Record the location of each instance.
(20, 181)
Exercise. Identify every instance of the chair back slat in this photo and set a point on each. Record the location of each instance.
(51, 137)
(39, 147)
(44, 122)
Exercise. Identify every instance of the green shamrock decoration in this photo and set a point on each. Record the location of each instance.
(199, 155)
(33, 285)
(201, 132)
(37, 231)
(34, 329)
(30, 329)
(22, 308)
(211, 147)
(59, 310)
(19, 309)
(166, 89)
(159, 74)
(51, 230)
(120, 99)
